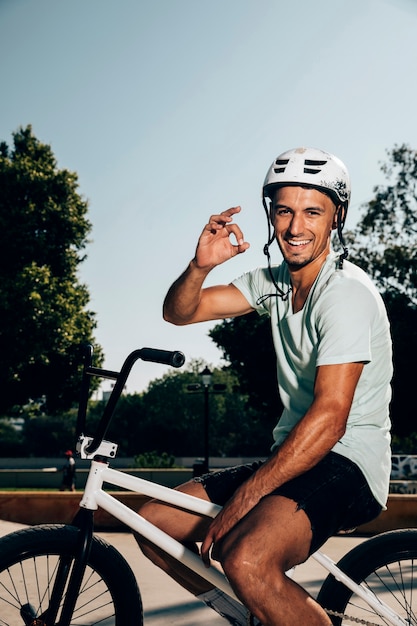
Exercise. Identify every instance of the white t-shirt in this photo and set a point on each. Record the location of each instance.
(343, 321)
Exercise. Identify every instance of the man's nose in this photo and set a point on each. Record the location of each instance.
(296, 225)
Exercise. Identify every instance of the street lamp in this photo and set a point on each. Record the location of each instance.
(204, 387)
(206, 378)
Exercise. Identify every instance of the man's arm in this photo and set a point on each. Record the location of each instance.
(309, 441)
(186, 301)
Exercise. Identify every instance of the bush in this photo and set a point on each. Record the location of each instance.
(153, 459)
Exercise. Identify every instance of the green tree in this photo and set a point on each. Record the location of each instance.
(247, 345)
(384, 241)
(43, 314)
(50, 435)
(384, 244)
(10, 440)
(168, 418)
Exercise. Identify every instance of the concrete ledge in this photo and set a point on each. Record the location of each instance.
(45, 507)
(401, 513)
(50, 478)
(42, 507)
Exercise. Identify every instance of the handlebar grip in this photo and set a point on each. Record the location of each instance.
(174, 358)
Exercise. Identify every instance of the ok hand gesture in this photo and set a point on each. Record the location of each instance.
(215, 245)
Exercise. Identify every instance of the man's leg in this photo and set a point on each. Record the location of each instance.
(187, 528)
(255, 555)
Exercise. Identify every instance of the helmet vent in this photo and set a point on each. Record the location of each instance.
(281, 165)
(312, 166)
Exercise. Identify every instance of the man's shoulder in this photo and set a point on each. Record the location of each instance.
(350, 276)
(346, 289)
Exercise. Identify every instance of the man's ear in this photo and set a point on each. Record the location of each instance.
(340, 210)
(334, 223)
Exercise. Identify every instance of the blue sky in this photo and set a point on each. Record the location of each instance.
(171, 110)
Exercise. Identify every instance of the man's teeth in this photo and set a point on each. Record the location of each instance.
(298, 243)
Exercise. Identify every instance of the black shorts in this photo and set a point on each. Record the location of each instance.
(334, 494)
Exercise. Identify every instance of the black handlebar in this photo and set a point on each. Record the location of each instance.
(174, 358)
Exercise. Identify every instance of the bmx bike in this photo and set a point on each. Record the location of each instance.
(65, 575)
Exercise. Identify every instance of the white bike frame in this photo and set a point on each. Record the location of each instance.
(94, 496)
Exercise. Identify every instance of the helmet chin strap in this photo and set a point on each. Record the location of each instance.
(284, 295)
(271, 237)
(340, 223)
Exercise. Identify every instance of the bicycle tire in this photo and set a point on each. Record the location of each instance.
(109, 594)
(387, 564)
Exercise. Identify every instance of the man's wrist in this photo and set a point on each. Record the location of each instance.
(194, 267)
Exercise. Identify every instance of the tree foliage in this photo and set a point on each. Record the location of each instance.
(39, 434)
(168, 418)
(247, 345)
(43, 306)
(165, 421)
(384, 244)
(384, 241)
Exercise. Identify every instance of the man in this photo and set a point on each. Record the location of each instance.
(330, 461)
(68, 473)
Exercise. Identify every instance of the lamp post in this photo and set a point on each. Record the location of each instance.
(201, 467)
(206, 378)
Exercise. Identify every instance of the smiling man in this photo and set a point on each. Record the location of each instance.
(330, 462)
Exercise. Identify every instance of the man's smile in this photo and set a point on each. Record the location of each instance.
(297, 242)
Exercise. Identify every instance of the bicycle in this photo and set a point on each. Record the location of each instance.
(64, 575)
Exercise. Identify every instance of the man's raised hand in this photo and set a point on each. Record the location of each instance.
(215, 245)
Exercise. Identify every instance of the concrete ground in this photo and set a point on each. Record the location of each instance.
(167, 604)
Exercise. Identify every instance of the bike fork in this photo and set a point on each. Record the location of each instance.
(69, 576)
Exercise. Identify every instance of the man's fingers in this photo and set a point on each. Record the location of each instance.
(233, 229)
(230, 212)
(205, 550)
(221, 219)
(216, 224)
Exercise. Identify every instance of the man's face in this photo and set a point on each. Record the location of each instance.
(303, 220)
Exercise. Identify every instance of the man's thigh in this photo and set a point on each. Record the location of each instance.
(276, 533)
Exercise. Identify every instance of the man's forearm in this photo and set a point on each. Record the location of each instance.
(304, 447)
(184, 295)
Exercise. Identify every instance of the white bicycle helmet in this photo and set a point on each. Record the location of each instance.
(313, 167)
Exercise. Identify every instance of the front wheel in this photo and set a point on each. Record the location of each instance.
(385, 564)
(29, 560)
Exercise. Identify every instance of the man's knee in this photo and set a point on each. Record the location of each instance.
(256, 550)
(241, 559)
